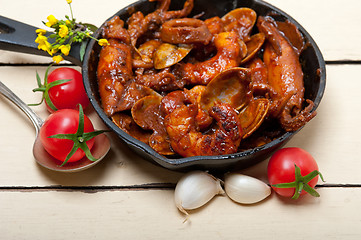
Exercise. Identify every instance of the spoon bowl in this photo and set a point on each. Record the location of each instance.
(99, 150)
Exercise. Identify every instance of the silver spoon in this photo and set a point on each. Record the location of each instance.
(99, 150)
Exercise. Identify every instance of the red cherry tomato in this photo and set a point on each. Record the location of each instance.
(281, 169)
(64, 121)
(67, 95)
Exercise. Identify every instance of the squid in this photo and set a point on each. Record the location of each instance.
(285, 77)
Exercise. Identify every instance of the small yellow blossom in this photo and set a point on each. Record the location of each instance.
(58, 59)
(103, 42)
(52, 51)
(67, 22)
(41, 38)
(51, 21)
(63, 31)
(43, 43)
(40, 31)
(68, 1)
(65, 49)
(46, 46)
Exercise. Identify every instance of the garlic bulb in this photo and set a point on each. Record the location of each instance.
(245, 189)
(195, 189)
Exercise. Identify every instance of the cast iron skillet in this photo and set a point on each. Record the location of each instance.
(20, 37)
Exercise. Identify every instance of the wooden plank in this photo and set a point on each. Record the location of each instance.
(337, 33)
(331, 138)
(153, 215)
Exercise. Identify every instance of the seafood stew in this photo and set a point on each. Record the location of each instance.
(235, 138)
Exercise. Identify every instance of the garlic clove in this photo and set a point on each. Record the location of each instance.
(245, 189)
(195, 189)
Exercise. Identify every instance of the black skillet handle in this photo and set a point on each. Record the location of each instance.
(20, 37)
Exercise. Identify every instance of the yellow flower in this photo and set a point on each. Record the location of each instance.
(51, 21)
(46, 46)
(40, 31)
(65, 49)
(41, 38)
(63, 31)
(103, 42)
(52, 51)
(68, 1)
(67, 22)
(58, 59)
(43, 43)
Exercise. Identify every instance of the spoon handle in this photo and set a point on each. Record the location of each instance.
(35, 119)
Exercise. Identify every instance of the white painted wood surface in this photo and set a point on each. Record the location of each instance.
(121, 199)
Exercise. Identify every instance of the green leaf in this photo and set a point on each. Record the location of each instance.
(298, 190)
(90, 26)
(49, 102)
(48, 87)
(285, 185)
(310, 190)
(87, 152)
(38, 79)
(82, 50)
(71, 153)
(41, 87)
(46, 74)
(58, 82)
(80, 131)
(62, 136)
(89, 135)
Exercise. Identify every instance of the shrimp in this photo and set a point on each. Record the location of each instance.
(228, 56)
(176, 99)
(187, 140)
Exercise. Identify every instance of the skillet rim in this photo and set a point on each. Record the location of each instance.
(242, 159)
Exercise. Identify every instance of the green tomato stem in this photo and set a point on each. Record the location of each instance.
(301, 183)
(79, 138)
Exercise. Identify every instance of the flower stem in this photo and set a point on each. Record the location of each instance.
(71, 12)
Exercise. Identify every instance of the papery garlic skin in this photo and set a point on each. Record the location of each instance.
(245, 189)
(195, 189)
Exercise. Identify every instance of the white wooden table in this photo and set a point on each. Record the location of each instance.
(126, 197)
